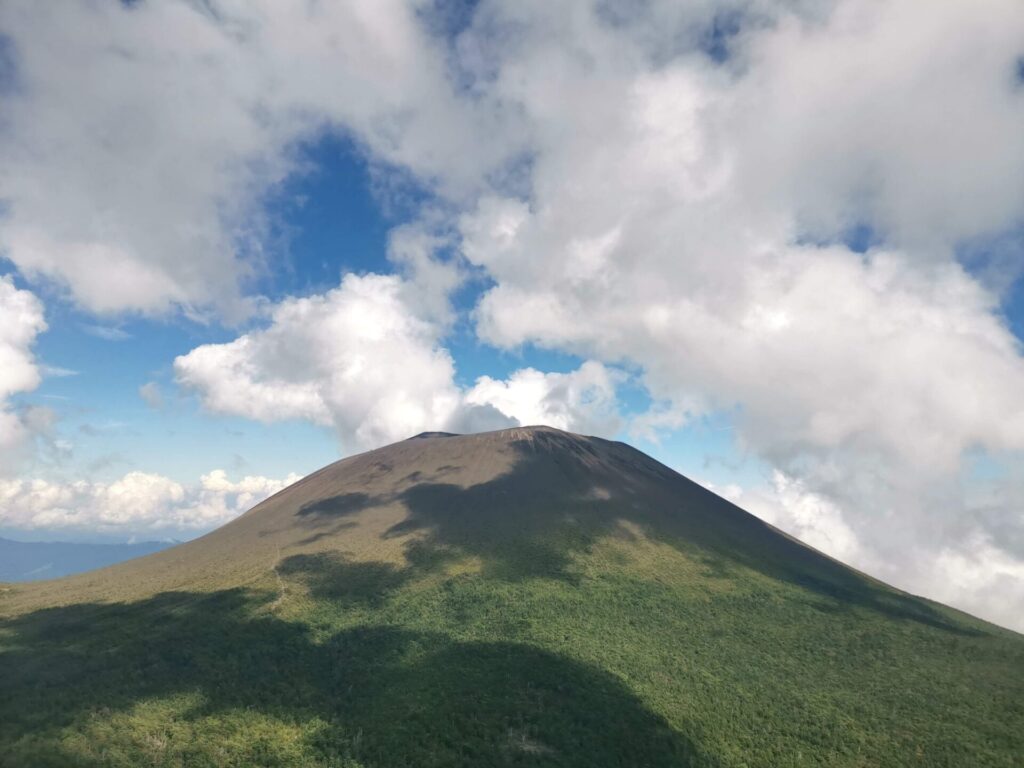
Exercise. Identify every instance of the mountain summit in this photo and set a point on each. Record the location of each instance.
(521, 597)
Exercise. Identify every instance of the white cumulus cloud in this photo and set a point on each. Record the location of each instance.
(140, 140)
(138, 503)
(362, 360)
(21, 321)
(583, 400)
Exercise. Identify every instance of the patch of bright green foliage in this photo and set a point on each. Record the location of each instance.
(629, 652)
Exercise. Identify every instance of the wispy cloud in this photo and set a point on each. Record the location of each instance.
(151, 394)
(56, 371)
(107, 332)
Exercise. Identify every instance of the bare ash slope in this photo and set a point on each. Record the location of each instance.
(516, 598)
(477, 494)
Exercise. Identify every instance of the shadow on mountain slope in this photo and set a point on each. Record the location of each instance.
(330, 576)
(562, 494)
(377, 695)
(336, 506)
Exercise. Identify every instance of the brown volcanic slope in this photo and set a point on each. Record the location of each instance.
(541, 491)
(522, 597)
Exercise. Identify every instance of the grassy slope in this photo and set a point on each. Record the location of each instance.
(533, 599)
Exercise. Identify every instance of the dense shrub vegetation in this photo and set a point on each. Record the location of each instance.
(561, 636)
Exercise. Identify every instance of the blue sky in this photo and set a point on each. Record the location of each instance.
(779, 248)
(328, 223)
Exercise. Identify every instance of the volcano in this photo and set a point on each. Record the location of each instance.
(521, 597)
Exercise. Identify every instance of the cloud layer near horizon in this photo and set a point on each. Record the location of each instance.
(805, 215)
(139, 503)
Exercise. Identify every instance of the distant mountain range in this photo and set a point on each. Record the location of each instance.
(34, 560)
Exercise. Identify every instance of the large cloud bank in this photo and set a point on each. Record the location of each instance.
(807, 215)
